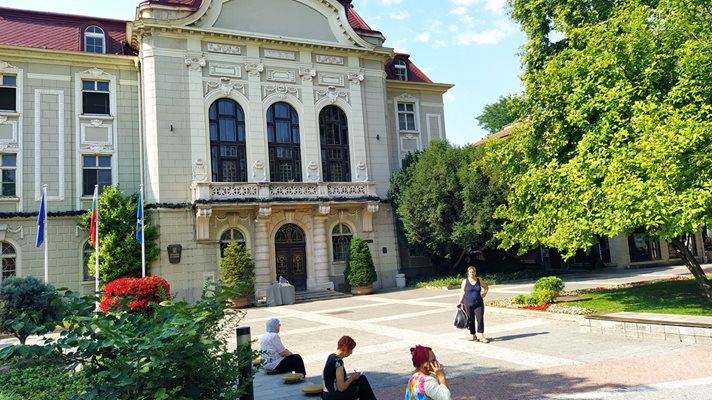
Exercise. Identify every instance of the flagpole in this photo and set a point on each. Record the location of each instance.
(143, 237)
(96, 243)
(44, 234)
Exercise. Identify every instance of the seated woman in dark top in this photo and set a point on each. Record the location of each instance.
(338, 386)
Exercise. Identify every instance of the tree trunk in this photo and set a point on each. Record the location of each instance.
(694, 267)
(457, 262)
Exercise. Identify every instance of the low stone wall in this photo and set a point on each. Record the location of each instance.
(689, 333)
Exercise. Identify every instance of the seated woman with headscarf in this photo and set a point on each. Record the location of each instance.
(277, 357)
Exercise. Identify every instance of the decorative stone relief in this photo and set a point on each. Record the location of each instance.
(200, 171)
(202, 222)
(327, 79)
(5, 65)
(265, 211)
(356, 77)
(94, 72)
(280, 90)
(281, 76)
(5, 146)
(289, 216)
(307, 73)
(254, 69)
(324, 209)
(280, 54)
(195, 63)
(361, 172)
(258, 171)
(96, 123)
(323, 59)
(367, 218)
(332, 94)
(313, 172)
(97, 148)
(372, 207)
(406, 96)
(3, 119)
(225, 70)
(225, 85)
(224, 48)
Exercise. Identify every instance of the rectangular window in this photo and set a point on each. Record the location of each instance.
(96, 170)
(8, 93)
(406, 116)
(95, 97)
(8, 170)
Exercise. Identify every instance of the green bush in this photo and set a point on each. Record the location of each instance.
(553, 283)
(178, 352)
(28, 306)
(360, 270)
(519, 299)
(42, 382)
(448, 281)
(543, 296)
(237, 269)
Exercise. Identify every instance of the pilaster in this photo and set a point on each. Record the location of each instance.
(321, 254)
(261, 255)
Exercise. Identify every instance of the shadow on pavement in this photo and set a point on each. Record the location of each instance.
(514, 337)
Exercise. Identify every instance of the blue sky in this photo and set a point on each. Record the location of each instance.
(469, 43)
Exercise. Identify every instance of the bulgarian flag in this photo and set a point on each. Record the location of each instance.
(94, 227)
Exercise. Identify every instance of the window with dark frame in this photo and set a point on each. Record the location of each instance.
(8, 92)
(9, 261)
(334, 137)
(285, 163)
(8, 175)
(340, 241)
(96, 170)
(94, 40)
(229, 236)
(95, 97)
(228, 152)
(401, 70)
(406, 116)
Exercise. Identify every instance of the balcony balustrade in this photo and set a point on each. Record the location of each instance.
(204, 192)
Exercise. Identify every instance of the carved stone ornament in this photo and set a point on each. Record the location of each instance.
(200, 171)
(280, 54)
(372, 208)
(281, 76)
(225, 85)
(313, 172)
(94, 72)
(307, 73)
(356, 77)
(98, 148)
(4, 146)
(224, 48)
(5, 65)
(254, 69)
(406, 96)
(195, 63)
(258, 171)
(361, 172)
(3, 119)
(281, 91)
(323, 59)
(96, 123)
(204, 212)
(332, 94)
(265, 211)
(324, 209)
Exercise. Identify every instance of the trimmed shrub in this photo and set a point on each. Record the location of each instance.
(519, 299)
(237, 269)
(136, 294)
(41, 379)
(553, 283)
(28, 306)
(360, 270)
(543, 296)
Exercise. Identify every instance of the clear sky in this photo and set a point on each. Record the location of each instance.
(469, 43)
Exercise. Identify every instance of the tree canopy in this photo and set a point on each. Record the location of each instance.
(503, 112)
(620, 135)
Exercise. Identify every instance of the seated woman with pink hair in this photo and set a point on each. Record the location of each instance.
(428, 382)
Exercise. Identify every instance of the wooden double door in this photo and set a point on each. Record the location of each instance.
(291, 255)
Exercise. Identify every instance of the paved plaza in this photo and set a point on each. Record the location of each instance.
(530, 356)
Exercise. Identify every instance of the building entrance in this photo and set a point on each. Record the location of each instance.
(290, 255)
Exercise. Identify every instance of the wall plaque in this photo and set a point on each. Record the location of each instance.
(174, 251)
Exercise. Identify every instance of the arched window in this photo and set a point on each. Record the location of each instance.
(230, 235)
(285, 163)
(401, 70)
(94, 40)
(9, 261)
(340, 241)
(87, 251)
(334, 136)
(227, 142)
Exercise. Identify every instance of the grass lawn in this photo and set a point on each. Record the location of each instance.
(666, 297)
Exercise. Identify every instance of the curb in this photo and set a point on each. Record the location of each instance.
(537, 314)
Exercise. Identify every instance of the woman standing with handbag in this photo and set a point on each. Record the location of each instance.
(472, 293)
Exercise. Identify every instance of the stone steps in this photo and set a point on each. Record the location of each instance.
(315, 295)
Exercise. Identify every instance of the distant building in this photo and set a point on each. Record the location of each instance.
(276, 123)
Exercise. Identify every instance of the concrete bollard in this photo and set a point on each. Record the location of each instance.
(400, 281)
(243, 338)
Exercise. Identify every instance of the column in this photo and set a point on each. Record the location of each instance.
(321, 253)
(263, 272)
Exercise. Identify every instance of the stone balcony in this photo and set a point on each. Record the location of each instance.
(207, 192)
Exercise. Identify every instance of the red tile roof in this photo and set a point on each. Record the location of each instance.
(505, 133)
(355, 20)
(44, 30)
(414, 73)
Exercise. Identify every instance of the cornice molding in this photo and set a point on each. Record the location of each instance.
(418, 87)
(50, 56)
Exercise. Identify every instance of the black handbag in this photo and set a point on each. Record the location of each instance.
(461, 320)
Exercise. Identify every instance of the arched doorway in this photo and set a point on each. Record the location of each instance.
(291, 255)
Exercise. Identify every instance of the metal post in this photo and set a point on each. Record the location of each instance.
(243, 338)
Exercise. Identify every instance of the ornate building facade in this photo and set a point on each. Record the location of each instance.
(276, 123)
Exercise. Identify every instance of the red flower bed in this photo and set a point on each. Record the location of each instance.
(137, 293)
(537, 307)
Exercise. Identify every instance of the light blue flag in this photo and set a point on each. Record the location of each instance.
(41, 223)
(139, 219)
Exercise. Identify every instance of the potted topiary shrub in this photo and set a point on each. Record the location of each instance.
(360, 273)
(237, 269)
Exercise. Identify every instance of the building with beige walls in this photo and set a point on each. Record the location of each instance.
(276, 123)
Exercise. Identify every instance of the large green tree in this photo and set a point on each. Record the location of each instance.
(503, 112)
(119, 251)
(620, 135)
